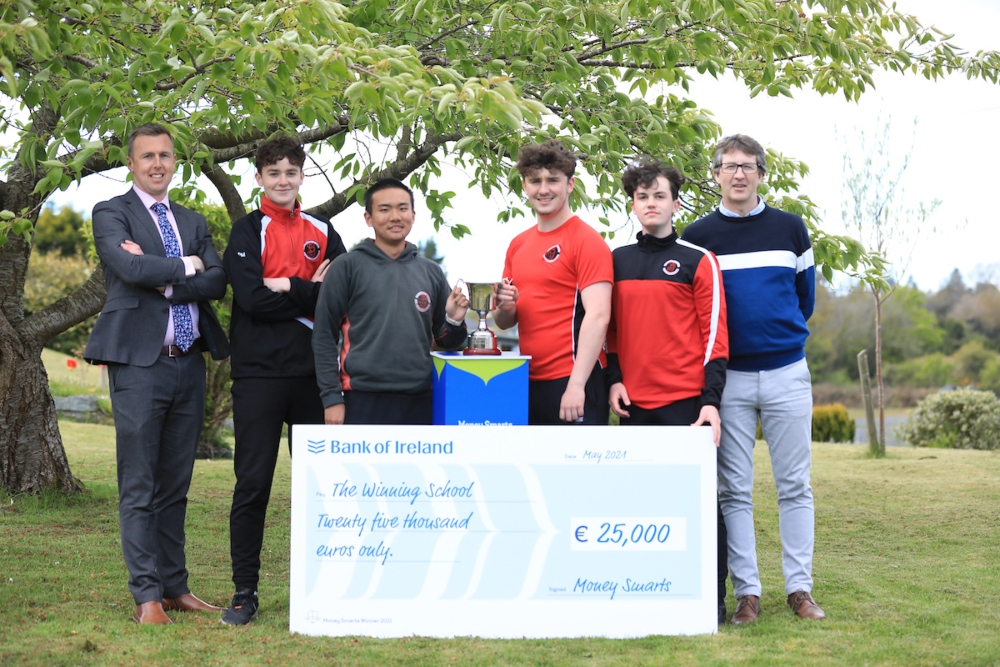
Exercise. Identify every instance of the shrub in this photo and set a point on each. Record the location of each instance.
(831, 423)
(959, 419)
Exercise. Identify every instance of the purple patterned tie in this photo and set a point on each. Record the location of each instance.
(183, 327)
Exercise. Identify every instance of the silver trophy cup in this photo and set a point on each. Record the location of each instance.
(482, 299)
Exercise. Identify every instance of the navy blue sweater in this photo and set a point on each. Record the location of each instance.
(770, 283)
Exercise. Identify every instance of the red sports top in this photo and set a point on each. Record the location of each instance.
(291, 243)
(550, 269)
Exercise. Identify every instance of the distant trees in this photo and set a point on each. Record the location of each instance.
(842, 326)
(947, 337)
(61, 231)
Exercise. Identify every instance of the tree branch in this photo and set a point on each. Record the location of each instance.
(226, 146)
(201, 69)
(86, 62)
(429, 43)
(230, 196)
(68, 311)
(586, 55)
(399, 169)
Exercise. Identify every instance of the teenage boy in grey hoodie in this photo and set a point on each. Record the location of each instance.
(389, 306)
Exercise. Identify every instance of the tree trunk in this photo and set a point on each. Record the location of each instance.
(32, 458)
(218, 406)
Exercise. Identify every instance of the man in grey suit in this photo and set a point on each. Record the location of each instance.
(160, 269)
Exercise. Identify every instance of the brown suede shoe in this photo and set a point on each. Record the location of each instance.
(747, 609)
(804, 606)
(188, 602)
(150, 613)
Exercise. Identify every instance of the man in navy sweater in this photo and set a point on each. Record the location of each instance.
(770, 282)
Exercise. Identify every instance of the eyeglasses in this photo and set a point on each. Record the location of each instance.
(730, 168)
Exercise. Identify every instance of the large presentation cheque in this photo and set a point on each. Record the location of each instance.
(530, 531)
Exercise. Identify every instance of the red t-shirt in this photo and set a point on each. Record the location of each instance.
(291, 243)
(550, 269)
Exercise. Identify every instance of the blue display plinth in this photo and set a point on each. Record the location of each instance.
(479, 389)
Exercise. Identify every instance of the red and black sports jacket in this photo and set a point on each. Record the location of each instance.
(667, 340)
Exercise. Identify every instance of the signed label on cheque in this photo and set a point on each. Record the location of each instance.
(530, 531)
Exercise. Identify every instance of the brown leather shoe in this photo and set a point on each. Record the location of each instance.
(747, 609)
(188, 602)
(804, 606)
(150, 613)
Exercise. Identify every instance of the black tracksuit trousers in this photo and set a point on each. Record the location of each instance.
(684, 413)
(260, 407)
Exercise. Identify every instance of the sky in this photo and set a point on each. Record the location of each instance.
(952, 146)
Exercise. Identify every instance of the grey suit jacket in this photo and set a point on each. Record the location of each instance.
(133, 322)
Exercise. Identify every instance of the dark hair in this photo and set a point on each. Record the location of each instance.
(742, 143)
(552, 155)
(386, 184)
(275, 149)
(146, 130)
(644, 172)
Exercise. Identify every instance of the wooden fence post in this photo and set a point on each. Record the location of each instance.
(866, 392)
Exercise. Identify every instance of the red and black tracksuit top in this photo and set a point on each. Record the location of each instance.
(667, 340)
(271, 332)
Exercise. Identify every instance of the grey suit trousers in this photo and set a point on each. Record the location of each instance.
(158, 413)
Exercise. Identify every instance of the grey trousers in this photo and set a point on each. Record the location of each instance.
(158, 412)
(782, 398)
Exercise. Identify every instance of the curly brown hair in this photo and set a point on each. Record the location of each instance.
(552, 155)
(276, 149)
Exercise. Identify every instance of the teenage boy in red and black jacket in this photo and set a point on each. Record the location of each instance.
(276, 261)
(668, 342)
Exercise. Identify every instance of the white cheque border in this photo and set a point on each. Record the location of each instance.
(526, 446)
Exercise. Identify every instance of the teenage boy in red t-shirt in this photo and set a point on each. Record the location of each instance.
(276, 261)
(558, 278)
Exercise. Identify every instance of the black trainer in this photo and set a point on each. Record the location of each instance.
(242, 610)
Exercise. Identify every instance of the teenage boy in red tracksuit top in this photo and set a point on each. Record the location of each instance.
(276, 261)
(667, 341)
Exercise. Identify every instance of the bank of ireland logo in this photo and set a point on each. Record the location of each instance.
(422, 301)
(311, 250)
(316, 446)
(312, 616)
(552, 254)
(671, 267)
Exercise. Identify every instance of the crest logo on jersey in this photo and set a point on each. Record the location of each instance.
(422, 300)
(671, 267)
(311, 250)
(552, 254)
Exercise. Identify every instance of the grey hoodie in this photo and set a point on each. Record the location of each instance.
(389, 313)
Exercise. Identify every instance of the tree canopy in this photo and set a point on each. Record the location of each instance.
(394, 89)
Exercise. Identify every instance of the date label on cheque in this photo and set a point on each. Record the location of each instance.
(633, 534)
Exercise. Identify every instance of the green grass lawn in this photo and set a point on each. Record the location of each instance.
(907, 568)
